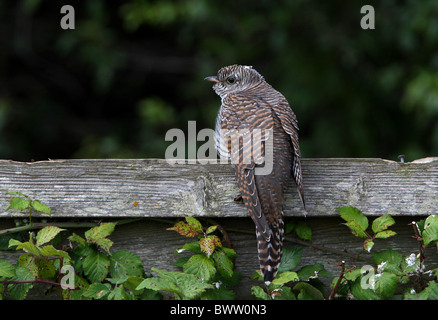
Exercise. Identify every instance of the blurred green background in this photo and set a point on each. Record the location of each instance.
(133, 69)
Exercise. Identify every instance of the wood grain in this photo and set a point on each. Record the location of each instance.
(155, 188)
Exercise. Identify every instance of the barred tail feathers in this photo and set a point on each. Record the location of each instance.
(269, 251)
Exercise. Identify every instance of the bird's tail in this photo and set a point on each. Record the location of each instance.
(269, 251)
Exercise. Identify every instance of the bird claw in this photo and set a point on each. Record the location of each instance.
(238, 198)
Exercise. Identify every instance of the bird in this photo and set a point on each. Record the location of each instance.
(251, 113)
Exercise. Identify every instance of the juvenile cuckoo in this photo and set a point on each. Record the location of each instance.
(251, 113)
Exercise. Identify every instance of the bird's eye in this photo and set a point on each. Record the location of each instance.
(231, 80)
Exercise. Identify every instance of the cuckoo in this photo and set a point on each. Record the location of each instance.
(257, 130)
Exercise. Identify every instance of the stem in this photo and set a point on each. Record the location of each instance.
(421, 245)
(42, 225)
(32, 226)
(34, 281)
(335, 289)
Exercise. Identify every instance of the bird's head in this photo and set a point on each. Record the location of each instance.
(234, 79)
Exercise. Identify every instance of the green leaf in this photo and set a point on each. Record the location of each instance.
(96, 266)
(97, 291)
(385, 234)
(225, 265)
(19, 291)
(221, 293)
(193, 247)
(353, 274)
(209, 244)
(28, 246)
(430, 293)
(184, 229)
(18, 203)
(47, 234)
(356, 220)
(285, 293)
(211, 229)
(194, 224)
(46, 269)
(285, 277)
(303, 231)
(105, 244)
(308, 292)
(41, 207)
(363, 293)
(159, 284)
(353, 214)
(28, 261)
(312, 271)
(291, 259)
(49, 251)
(79, 282)
(290, 226)
(259, 293)
(382, 223)
(100, 232)
(430, 232)
(387, 255)
(125, 264)
(385, 283)
(6, 269)
(75, 238)
(185, 286)
(201, 266)
(368, 245)
(390, 267)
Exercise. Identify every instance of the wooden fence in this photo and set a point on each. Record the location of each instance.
(152, 188)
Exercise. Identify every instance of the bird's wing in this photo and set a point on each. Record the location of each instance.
(289, 123)
(239, 116)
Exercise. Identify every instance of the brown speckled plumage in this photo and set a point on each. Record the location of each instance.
(252, 110)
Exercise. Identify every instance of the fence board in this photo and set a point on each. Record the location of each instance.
(155, 188)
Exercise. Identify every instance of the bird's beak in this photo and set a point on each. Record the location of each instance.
(212, 79)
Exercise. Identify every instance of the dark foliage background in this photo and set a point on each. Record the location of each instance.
(131, 70)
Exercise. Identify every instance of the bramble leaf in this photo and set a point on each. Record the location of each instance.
(211, 229)
(368, 244)
(290, 259)
(6, 269)
(303, 231)
(209, 244)
(100, 232)
(382, 223)
(259, 293)
(385, 283)
(430, 232)
(201, 266)
(18, 203)
(41, 207)
(387, 255)
(224, 264)
(184, 229)
(47, 234)
(125, 264)
(185, 286)
(285, 277)
(357, 222)
(385, 234)
(96, 266)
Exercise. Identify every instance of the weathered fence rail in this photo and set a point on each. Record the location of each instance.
(152, 188)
